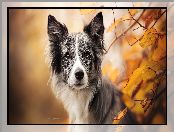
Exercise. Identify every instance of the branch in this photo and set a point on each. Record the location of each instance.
(136, 20)
(114, 22)
(121, 35)
(150, 27)
(158, 19)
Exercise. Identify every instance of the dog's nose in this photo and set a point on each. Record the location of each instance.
(79, 74)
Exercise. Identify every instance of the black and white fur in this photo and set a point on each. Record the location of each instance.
(76, 73)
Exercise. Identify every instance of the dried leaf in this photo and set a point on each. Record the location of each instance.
(145, 90)
(135, 84)
(148, 74)
(150, 16)
(120, 20)
(133, 11)
(154, 65)
(160, 51)
(134, 81)
(131, 65)
(150, 36)
(120, 116)
(128, 101)
(137, 89)
(87, 11)
(138, 109)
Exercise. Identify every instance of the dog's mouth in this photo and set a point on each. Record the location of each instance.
(79, 83)
(78, 86)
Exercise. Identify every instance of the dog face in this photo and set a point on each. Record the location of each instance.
(77, 56)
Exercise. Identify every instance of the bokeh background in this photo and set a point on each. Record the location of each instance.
(31, 100)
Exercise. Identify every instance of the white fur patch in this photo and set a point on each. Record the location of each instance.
(76, 102)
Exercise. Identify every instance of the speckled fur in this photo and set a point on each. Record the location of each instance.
(97, 101)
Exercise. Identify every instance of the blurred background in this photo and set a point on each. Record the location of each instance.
(30, 97)
(31, 100)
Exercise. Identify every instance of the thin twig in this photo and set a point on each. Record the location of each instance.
(137, 40)
(127, 39)
(158, 19)
(150, 27)
(136, 20)
(121, 35)
(136, 28)
(114, 22)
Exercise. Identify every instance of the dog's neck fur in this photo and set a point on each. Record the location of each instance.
(87, 106)
(75, 102)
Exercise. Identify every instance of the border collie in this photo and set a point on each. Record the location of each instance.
(76, 78)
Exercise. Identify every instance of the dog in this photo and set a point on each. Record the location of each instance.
(76, 76)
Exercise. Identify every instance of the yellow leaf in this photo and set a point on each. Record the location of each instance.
(87, 11)
(148, 74)
(122, 84)
(131, 65)
(150, 36)
(120, 116)
(154, 65)
(140, 75)
(134, 80)
(145, 89)
(120, 20)
(160, 51)
(138, 108)
(133, 11)
(128, 101)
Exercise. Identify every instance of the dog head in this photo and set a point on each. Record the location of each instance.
(76, 57)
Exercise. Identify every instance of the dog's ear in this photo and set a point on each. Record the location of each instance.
(95, 29)
(56, 31)
(57, 34)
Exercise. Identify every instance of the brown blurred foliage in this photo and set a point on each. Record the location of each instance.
(146, 74)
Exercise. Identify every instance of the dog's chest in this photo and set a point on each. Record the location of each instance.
(77, 108)
(76, 104)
